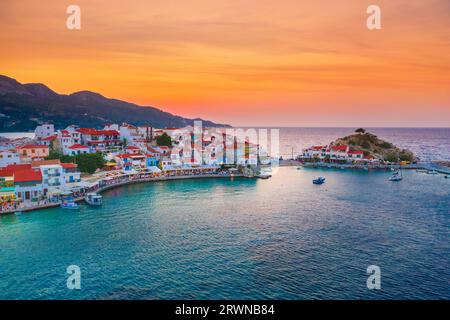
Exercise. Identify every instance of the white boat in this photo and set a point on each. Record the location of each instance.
(93, 199)
(69, 204)
(397, 176)
(432, 172)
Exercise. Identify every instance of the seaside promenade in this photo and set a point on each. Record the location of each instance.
(104, 184)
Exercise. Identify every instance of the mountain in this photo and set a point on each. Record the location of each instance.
(24, 106)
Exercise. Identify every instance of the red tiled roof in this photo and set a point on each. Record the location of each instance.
(69, 165)
(50, 138)
(150, 149)
(16, 167)
(35, 164)
(78, 146)
(132, 148)
(27, 175)
(32, 146)
(317, 148)
(21, 173)
(95, 132)
(339, 148)
(355, 152)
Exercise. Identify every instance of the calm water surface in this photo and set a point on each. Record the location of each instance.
(282, 238)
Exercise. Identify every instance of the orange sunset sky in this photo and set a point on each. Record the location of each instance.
(246, 62)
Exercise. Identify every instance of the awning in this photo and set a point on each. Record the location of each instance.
(153, 169)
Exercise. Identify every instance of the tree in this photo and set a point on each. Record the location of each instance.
(391, 157)
(89, 162)
(360, 130)
(164, 140)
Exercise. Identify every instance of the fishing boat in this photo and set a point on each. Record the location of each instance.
(93, 199)
(319, 180)
(69, 204)
(397, 176)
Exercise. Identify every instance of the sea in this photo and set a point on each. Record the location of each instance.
(428, 144)
(281, 238)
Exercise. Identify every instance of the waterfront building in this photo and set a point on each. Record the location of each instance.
(31, 152)
(27, 181)
(70, 173)
(53, 179)
(129, 162)
(355, 155)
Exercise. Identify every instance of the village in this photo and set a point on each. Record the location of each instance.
(40, 172)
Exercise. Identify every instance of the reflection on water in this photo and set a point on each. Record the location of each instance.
(281, 238)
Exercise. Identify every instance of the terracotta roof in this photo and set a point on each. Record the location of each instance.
(35, 164)
(132, 148)
(27, 175)
(150, 149)
(317, 148)
(339, 148)
(50, 138)
(21, 173)
(32, 146)
(355, 152)
(78, 146)
(69, 165)
(95, 132)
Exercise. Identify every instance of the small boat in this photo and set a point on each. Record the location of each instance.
(319, 180)
(299, 168)
(264, 175)
(93, 199)
(434, 172)
(397, 176)
(69, 204)
(18, 213)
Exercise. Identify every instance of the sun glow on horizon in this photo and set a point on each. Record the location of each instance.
(246, 63)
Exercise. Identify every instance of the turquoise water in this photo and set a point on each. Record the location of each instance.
(282, 238)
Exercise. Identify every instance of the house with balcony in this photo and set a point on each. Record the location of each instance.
(27, 181)
(53, 178)
(77, 149)
(100, 140)
(32, 152)
(70, 173)
(137, 136)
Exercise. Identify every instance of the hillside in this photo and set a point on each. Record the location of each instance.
(370, 144)
(23, 106)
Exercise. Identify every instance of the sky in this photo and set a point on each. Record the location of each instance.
(243, 62)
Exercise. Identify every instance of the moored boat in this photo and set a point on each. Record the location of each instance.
(319, 180)
(69, 204)
(93, 199)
